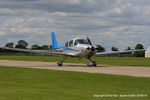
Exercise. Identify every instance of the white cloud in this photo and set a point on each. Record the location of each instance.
(74, 1)
(18, 12)
(119, 23)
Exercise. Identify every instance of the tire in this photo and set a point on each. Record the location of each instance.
(89, 64)
(59, 63)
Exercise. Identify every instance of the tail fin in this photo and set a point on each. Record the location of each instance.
(54, 42)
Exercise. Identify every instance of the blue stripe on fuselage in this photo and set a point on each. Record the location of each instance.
(68, 49)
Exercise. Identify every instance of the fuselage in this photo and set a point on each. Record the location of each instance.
(81, 47)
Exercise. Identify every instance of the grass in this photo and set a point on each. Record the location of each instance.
(123, 61)
(40, 84)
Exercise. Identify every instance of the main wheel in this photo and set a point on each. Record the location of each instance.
(91, 63)
(59, 63)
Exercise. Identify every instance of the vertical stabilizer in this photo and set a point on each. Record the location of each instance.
(54, 42)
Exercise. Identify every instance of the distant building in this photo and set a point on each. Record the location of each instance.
(147, 52)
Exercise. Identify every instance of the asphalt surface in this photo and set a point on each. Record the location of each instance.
(106, 69)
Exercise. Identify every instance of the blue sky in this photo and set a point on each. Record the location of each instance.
(119, 23)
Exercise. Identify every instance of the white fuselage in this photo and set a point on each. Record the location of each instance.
(80, 46)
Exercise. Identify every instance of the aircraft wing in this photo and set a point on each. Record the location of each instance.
(47, 52)
(118, 52)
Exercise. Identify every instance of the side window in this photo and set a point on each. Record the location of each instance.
(71, 43)
(66, 44)
(76, 42)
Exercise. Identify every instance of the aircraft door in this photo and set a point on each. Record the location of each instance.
(70, 43)
(66, 44)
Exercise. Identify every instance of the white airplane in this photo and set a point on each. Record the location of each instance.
(77, 47)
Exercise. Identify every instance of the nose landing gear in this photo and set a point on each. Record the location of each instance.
(91, 63)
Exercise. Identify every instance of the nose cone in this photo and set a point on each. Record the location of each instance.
(84, 47)
(88, 47)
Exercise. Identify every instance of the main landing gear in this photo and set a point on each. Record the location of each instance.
(60, 63)
(91, 63)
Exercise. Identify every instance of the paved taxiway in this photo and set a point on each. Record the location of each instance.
(106, 69)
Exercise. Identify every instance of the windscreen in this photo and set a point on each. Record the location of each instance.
(81, 41)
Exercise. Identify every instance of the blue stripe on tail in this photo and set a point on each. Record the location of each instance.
(54, 42)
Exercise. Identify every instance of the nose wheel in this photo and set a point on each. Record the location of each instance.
(91, 63)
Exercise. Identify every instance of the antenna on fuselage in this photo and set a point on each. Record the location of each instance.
(80, 36)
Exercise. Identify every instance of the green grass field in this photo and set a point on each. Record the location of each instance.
(123, 61)
(40, 84)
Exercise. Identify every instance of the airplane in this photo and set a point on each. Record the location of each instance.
(76, 48)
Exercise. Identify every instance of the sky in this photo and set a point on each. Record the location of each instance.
(119, 23)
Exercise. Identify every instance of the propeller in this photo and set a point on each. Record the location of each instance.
(89, 41)
(92, 47)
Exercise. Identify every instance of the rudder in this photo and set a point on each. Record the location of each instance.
(54, 42)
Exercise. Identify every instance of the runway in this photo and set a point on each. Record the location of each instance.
(106, 69)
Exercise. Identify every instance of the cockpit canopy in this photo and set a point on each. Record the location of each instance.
(76, 42)
(80, 41)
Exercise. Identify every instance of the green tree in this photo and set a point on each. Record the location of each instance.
(100, 48)
(9, 45)
(139, 53)
(22, 44)
(35, 47)
(114, 49)
(44, 47)
(139, 46)
(129, 53)
(128, 48)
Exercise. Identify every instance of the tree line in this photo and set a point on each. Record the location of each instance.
(135, 54)
(23, 45)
